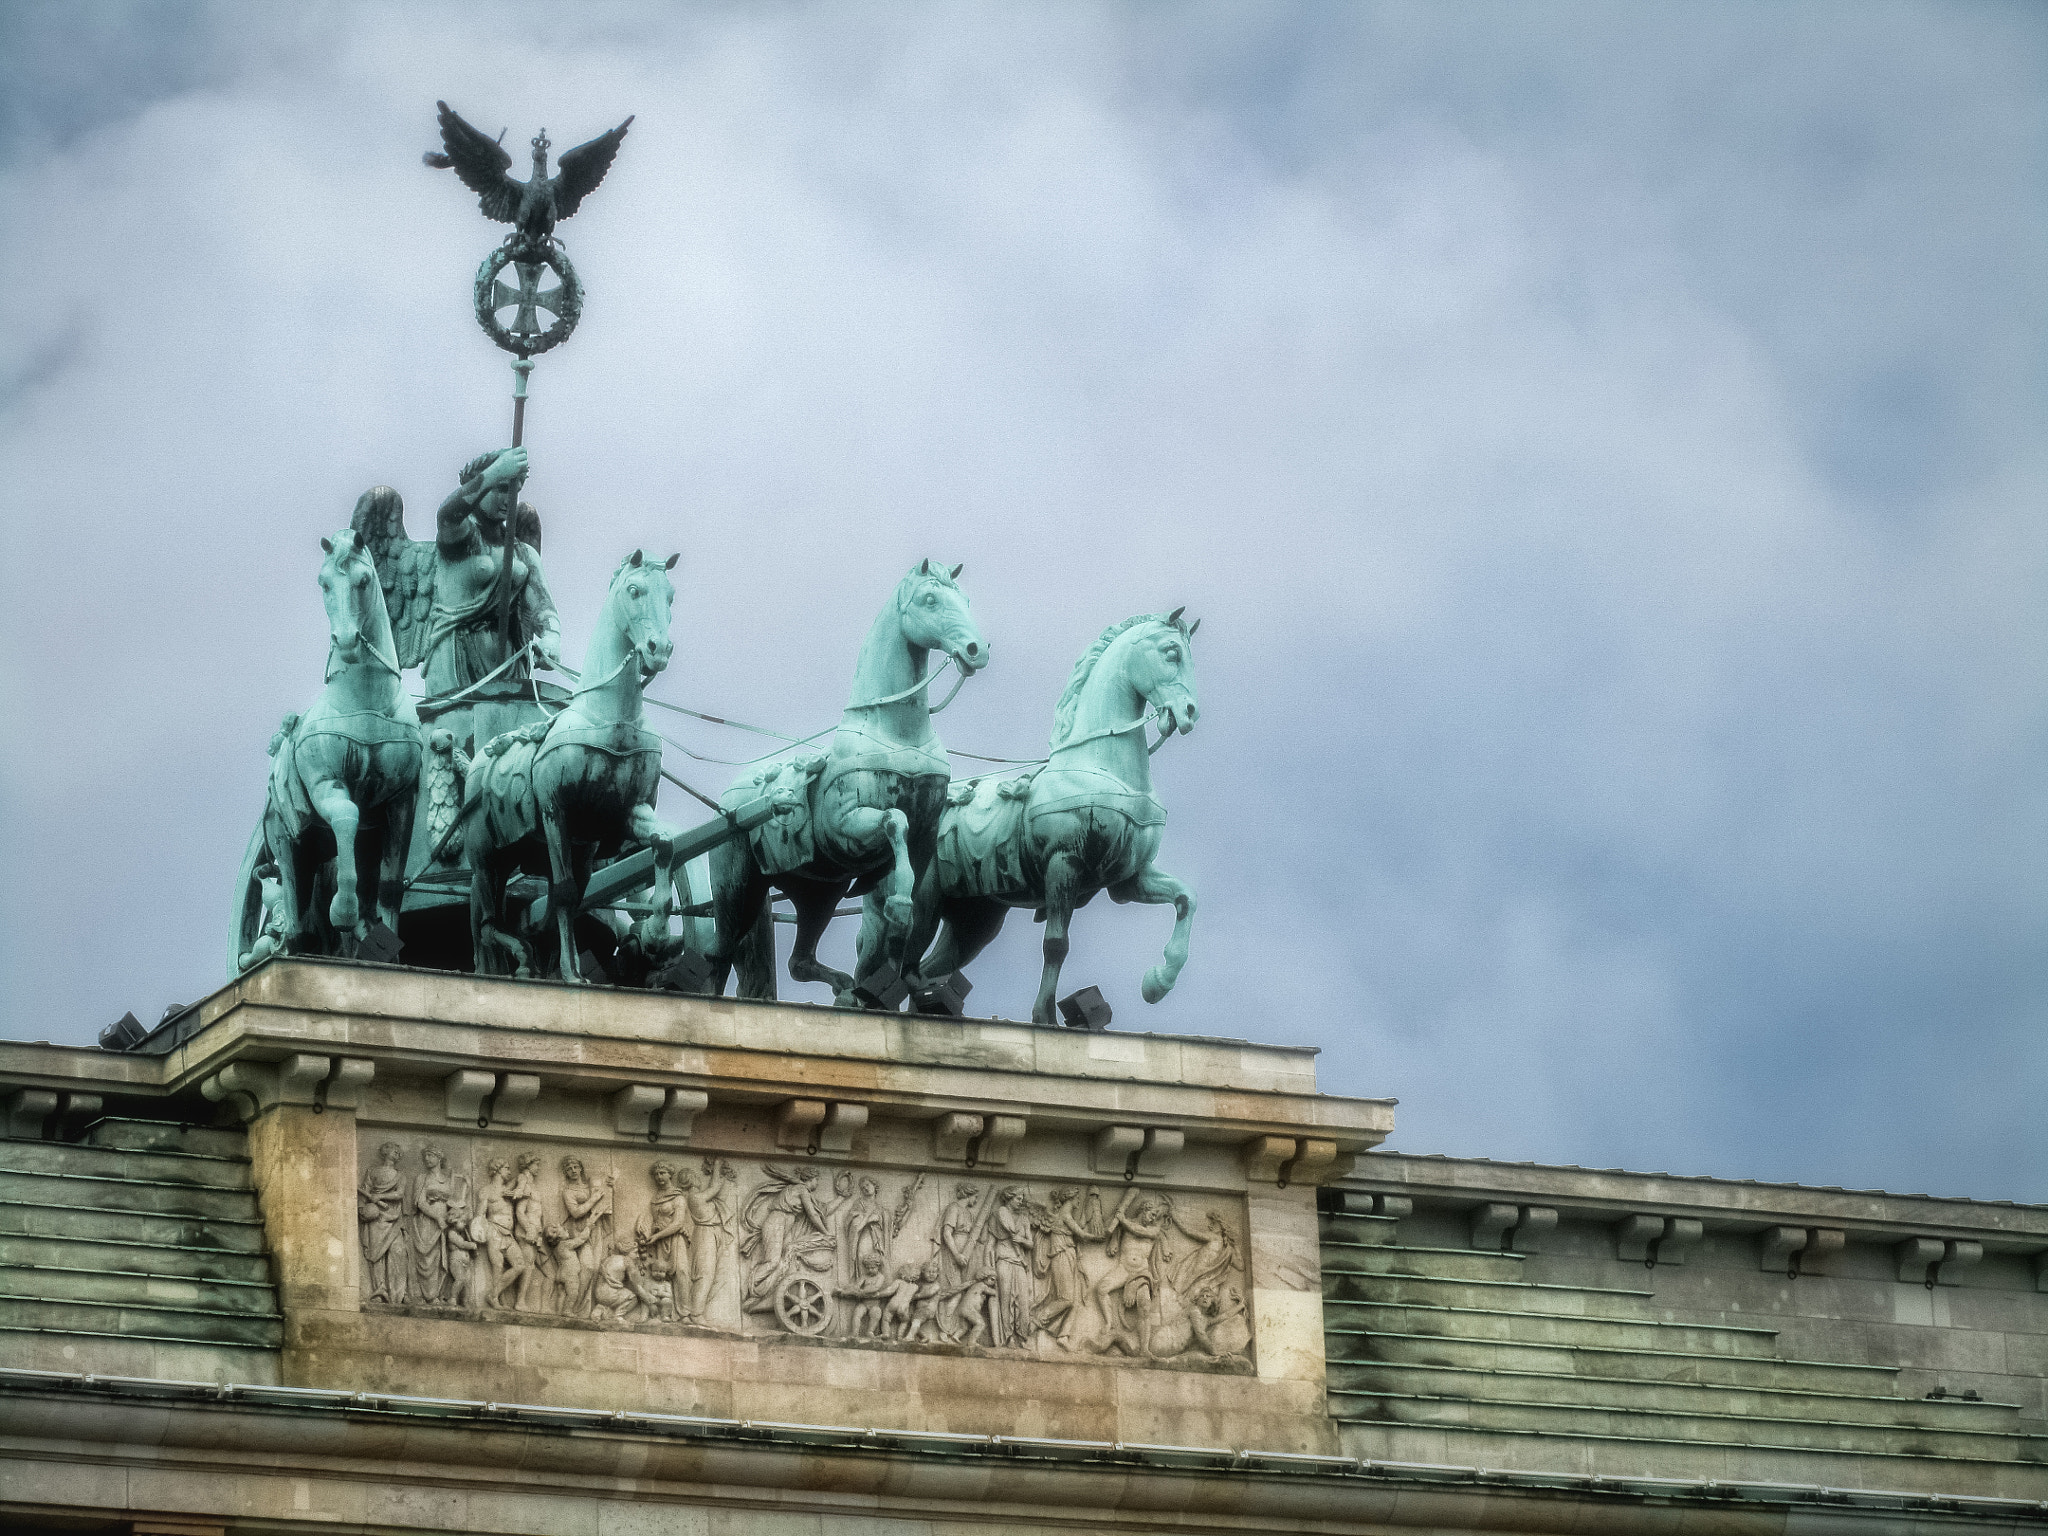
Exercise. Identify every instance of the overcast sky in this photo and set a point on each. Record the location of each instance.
(1605, 446)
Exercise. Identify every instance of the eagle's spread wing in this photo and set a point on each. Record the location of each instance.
(582, 168)
(406, 567)
(481, 162)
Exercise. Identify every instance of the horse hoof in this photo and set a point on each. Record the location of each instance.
(1157, 984)
(345, 913)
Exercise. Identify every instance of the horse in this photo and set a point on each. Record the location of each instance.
(862, 818)
(578, 786)
(343, 776)
(1086, 821)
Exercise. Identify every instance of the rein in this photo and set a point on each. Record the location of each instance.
(1109, 730)
(919, 687)
(440, 699)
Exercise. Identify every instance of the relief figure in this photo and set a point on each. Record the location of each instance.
(1011, 1247)
(787, 1231)
(427, 1220)
(533, 1237)
(664, 1236)
(505, 1261)
(714, 1280)
(1065, 1221)
(586, 1235)
(380, 1210)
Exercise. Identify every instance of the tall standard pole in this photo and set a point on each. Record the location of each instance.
(521, 367)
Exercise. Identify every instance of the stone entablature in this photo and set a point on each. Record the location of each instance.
(811, 1214)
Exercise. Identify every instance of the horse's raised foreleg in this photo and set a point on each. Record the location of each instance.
(1156, 887)
(332, 804)
(565, 892)
(1062, 884)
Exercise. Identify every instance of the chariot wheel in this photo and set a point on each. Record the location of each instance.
(803, 1305)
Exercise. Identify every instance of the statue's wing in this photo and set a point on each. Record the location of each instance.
(481, 162)
(526, 525)
(582, 168)
(405, 566)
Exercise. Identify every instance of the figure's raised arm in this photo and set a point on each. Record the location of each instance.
(456, 525)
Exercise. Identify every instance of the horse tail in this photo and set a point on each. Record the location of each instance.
(246, 921)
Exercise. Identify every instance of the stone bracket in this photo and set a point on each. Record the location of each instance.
(660, 1116)
(1115, 1150)
(977, 1140)
(1653, 1240)
(1356, 1202)
(1501, 1228)
(953, 1134)
(1162, 1149)
(316, 1082)
(1929, 1261)
(30, 1109)
(1132, 1150)
(817, 1127)
(490, 1098)
(1798, 1250)
(1285, 1160)
(998, 1135)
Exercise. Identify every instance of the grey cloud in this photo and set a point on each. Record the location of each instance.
(1604, 444)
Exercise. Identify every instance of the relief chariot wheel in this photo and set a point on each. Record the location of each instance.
(803, 1305)
(526, 336)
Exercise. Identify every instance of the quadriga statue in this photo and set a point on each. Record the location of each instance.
(1086, 821)
(551, 798)
(863, 818)
(343, 776)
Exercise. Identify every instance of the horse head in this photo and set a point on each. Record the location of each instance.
(353, 596)
(1162, 668)
(934, 615)
(639, 605)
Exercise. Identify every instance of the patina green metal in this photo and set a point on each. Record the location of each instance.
(553, 797)
(533, 806)
(343, 777)
(470, 607)
(1085, 821)
(865, 817)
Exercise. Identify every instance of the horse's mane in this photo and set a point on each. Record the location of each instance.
(1070, 701)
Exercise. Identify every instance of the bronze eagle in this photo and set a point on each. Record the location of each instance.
(531, 206)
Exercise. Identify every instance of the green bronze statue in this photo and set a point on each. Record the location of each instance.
(865, 817)
(471, 609)
(343, 777)
(1086, 821)
(552, 798)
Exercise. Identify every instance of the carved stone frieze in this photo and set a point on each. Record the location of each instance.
(500, 1231)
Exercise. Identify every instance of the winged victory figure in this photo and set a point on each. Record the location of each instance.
(534, 206)
(465, 605)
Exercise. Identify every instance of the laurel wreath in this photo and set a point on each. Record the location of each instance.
(557, 261)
